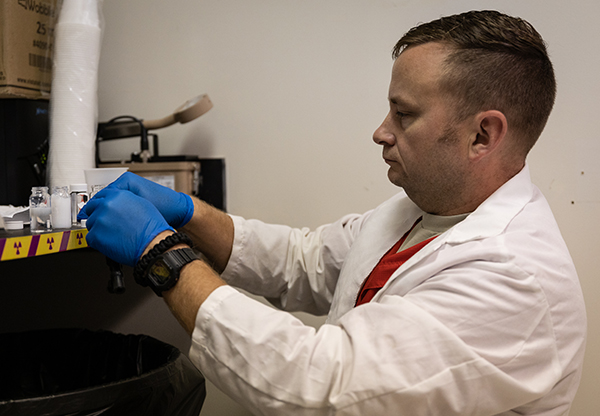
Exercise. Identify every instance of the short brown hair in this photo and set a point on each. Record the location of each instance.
(496, 62)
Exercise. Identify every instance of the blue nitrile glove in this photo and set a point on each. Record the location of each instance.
(176, 207)
(121, 224)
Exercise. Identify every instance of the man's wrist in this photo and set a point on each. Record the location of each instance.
(213, 233)
(160, 237)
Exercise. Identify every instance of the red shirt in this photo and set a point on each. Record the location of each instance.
(388, 264)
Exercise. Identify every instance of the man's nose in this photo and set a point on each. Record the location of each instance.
(383, 134)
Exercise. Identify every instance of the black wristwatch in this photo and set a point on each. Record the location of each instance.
(163, 271)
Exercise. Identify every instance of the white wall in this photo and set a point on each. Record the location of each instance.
(298, 88)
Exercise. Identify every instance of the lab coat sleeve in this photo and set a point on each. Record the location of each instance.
(295, 269)
(457, 347)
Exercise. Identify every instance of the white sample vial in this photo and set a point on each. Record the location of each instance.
(61, 207)
(79, 197)
(39, 210)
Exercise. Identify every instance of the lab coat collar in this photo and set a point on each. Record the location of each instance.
(490, 219)
(381, 231)
(392, 219)
(493, 216)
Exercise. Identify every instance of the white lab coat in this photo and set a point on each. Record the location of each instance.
(486, 318)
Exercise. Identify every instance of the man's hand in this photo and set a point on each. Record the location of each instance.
(121, 224)
(176, 207)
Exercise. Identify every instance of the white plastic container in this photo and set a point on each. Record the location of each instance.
(61, 207)
(102, 176)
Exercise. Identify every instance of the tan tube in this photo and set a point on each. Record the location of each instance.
(189, 111)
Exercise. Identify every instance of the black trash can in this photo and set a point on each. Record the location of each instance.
(78, 372)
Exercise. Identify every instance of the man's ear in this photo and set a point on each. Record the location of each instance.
(490, 130)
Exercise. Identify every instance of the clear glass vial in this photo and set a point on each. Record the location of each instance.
(79, 197)
(40, 210)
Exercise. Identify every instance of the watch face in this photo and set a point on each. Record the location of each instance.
(160, 272)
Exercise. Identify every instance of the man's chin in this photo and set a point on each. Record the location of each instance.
(395, 178)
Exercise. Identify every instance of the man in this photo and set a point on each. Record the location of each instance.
(455, 297)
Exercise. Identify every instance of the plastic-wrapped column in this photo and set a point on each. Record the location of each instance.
(73, 99)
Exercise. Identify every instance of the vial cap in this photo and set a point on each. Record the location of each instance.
(13, 225)
(79, 187)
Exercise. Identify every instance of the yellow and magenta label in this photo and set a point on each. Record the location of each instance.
(37, 245)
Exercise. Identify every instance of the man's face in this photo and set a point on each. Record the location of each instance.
(424, 146)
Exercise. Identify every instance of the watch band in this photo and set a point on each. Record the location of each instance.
(174, 260)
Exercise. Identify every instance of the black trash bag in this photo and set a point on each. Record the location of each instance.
(78, 372)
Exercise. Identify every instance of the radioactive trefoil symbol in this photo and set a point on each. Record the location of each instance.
(17, 247)
(50, 241)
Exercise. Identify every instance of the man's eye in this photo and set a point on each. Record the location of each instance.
(400, 114)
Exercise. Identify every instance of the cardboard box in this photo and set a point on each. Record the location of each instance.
(26, 43)
(179, 176)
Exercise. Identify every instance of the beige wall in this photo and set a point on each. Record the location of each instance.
(298, 88)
